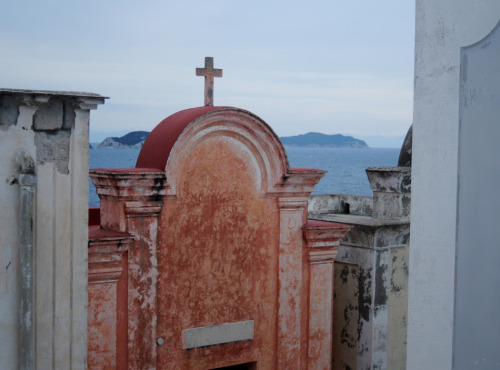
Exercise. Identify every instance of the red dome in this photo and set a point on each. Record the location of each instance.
(157, 147)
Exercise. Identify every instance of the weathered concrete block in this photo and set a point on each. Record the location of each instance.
(391, 191)
(56, 114)
(53, 147)
(341, 204)
(391, 205)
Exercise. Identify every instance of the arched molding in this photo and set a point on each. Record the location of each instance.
(485, 40)
(241, 128)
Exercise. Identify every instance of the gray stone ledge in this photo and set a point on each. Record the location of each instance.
(7, 91)
(341, 204)
(357, 220)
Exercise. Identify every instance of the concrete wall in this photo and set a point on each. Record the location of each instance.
(371, 271)
(442, 29)
(347, 204)
(50, 130)
(371, 295)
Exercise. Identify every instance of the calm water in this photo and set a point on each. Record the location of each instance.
(346, 167)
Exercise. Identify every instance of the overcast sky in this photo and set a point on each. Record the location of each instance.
(331, 66)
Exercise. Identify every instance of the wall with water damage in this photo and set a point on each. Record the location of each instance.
(371, 271)
(44, 195)
(224, 268)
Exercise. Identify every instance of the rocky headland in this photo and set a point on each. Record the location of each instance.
(134, 139)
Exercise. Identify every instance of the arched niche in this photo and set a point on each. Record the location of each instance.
(172, 141)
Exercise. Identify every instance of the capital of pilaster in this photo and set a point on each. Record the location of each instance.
(298, 182)
(317, 256)
(391, 191)
(389, 179)
(322, 239)
(129, 184)
(89, 103)
(293, 203)
(143, 208)
(140, 190)
(106, 251)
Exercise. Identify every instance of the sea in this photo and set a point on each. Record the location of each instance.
(345, 166)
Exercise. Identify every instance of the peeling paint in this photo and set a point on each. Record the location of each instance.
(11, 180)
(44, 311)
(52, 124)
(364, 297)
(9, 112)
(378, 247)
(380, 298)
(345, 316)
(53, 148)
(229, 243)
(210, 269)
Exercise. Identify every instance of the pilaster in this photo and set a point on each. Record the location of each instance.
(108, 303)
(293, 268)
(292, 321)
(131, 201)
(322, 240)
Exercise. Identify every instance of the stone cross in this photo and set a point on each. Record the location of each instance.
(209, 72)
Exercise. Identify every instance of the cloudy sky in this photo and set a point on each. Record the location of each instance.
(331, 66)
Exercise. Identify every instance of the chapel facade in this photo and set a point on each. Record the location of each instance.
(202, 256)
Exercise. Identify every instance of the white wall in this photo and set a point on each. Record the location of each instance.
(442, 28)
(51, 128)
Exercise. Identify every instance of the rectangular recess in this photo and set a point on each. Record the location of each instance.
(245, 366)
(218, 334)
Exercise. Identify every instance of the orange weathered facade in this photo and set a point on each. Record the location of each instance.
(203, 254)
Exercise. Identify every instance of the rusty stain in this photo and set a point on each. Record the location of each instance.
(218, 256)
(107, 313)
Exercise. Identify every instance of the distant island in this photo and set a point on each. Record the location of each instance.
(317, 140)
(135, 139)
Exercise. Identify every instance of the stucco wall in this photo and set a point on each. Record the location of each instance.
(442, 28)
(52, 129)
